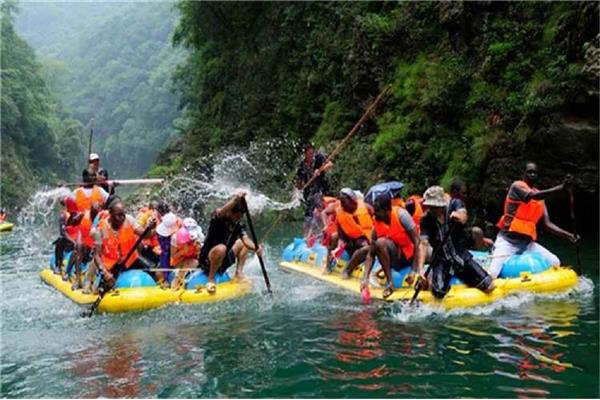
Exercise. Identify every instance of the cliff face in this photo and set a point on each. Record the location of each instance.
(568, 144)
(477, 88)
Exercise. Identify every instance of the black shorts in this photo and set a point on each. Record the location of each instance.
(471, 273)
(228, 261)
(353, 245)
(397, 259)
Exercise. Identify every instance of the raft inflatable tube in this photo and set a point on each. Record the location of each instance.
(519, 277)
(6, 226)
(136, 290)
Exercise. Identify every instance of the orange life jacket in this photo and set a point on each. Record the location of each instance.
(185, 252)
(525, 218)
(116, 245)
(395, 232)
(357, 224)
(2, 217)
(85, 202)
(330, 226)
(70, 230)
(398, 202)
(418, 214)
(85, 229)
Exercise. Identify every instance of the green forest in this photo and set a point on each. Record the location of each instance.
(41, 141)
(112, 62)
(477, 88)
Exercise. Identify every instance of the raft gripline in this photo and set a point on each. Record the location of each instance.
(136, 290)
(521, 273)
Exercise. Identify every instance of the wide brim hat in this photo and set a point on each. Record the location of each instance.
(434, 197)
(168, 225)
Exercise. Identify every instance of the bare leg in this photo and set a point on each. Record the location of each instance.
(332, 245)
(79, 255)
(89, 277)
(215, 259)
(180, 276)
(359, 256)
(241, 255)
(381, 250)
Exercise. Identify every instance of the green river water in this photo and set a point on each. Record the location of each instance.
(308, 340)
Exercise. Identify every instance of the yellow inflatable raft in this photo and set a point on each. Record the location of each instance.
(6, 226)
(298, 258)
(124, 299)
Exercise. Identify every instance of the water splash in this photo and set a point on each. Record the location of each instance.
(263, 170)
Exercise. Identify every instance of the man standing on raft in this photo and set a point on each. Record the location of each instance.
(226, 242)
(312, 164)
(523, 208)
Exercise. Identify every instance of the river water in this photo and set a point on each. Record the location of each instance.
(309, 339)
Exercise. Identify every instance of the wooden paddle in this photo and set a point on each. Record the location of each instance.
(121, 182)
(574, 226)
(117, 268)
(255, 240)
(90, 140)
(367, 114)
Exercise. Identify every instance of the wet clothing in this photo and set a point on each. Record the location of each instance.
(471, 273)
(314, 193)
(220, 231)
(452, 258)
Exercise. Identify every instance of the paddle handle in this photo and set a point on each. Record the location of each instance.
(91, 138)
(574, 227)
(255, 240)
(352, 132)
(123, 182)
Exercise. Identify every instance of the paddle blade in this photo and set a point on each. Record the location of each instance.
(366, 296)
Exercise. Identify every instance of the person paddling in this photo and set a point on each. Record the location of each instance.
(443, 235)
(114, 238)
(226, 242)
(524, 207)
(309, 166)
(354, 225)
(394, 240)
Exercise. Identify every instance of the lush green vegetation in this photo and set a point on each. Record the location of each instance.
(112, 62)
(473, 84)
(39, 138)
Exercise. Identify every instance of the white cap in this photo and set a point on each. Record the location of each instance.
(168, 225)
(195, 230)
(94, 157)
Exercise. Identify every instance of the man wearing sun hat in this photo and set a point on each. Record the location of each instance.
(444, 233)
